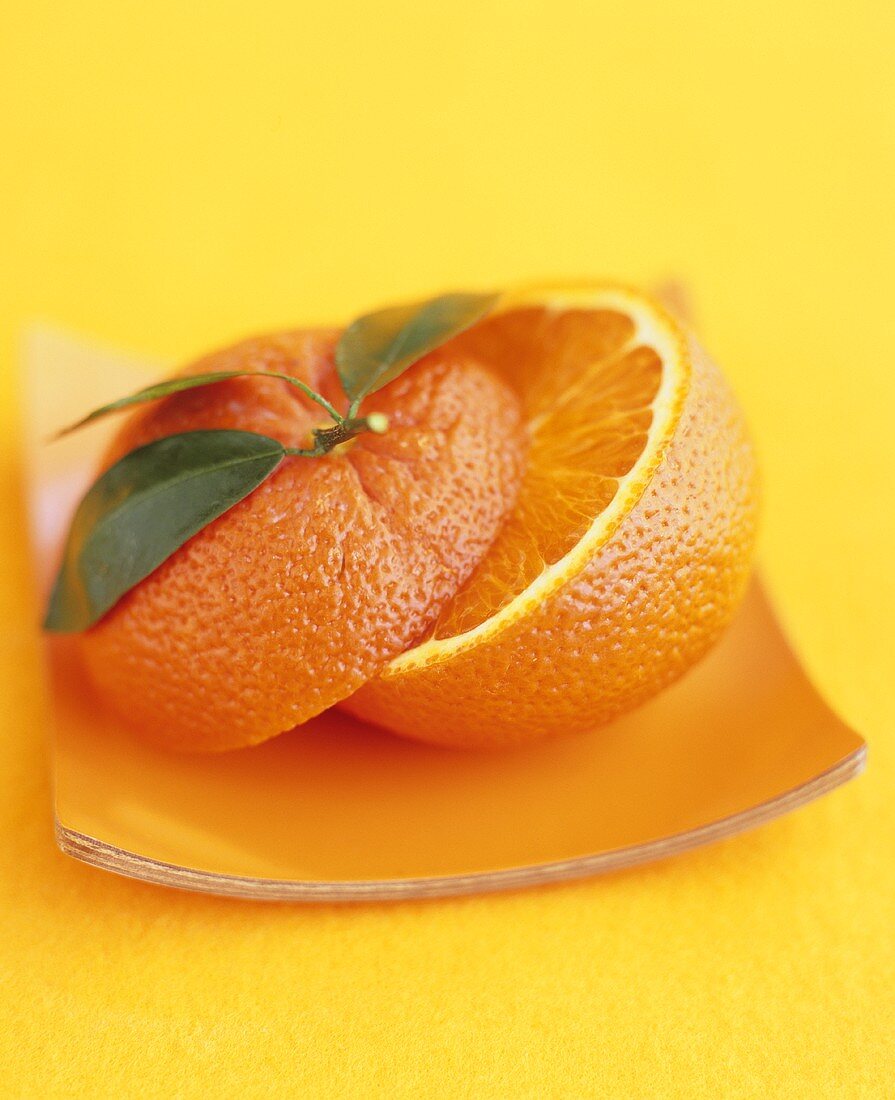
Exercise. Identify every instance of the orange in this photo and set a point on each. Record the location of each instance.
(307, 588)
(630, 544)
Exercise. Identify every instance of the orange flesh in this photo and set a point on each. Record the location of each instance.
(586, 392)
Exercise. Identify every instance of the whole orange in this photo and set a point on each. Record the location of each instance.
(306, 589)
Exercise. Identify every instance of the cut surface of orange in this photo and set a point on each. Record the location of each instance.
(601, 390)
(630, 543)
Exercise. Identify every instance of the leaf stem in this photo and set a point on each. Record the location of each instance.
(327, 439)
(309, 452)
(315, 396)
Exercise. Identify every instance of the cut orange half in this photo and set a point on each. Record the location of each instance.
(630, 544)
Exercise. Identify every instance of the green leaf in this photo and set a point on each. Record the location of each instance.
(191, 382)
(378, 347)
(146, 506)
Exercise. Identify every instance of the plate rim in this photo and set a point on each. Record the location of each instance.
(108, 857)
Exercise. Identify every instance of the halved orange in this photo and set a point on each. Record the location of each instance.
(307, 587)
(630, 545)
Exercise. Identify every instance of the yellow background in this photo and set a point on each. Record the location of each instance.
(173, 175)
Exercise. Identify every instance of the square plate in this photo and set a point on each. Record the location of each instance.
(337, 810)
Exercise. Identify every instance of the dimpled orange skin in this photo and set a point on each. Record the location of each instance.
(310, 585)
(647, 606)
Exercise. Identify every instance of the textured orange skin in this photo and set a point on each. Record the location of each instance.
(647, 606)
(308, 587)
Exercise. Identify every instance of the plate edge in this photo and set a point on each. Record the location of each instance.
(97, 853)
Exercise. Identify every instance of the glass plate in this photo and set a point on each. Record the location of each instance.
(337, 810)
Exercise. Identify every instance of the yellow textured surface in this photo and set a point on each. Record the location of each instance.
(175, 175)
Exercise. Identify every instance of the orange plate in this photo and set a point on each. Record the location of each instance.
(338, 810)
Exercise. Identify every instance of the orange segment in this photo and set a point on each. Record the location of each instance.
(630, 544)
(587, 384)
(601, 377)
